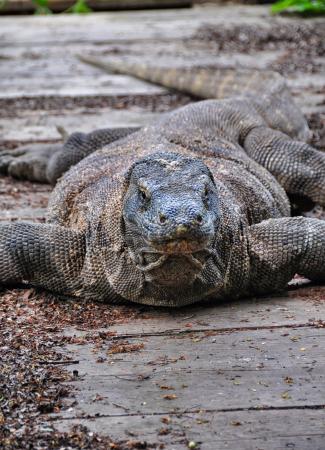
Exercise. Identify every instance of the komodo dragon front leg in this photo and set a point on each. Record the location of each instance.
(42, 255)
(48, 162)
(280, 248)
(298, 167)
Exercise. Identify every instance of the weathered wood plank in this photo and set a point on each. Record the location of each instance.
(25, 214)
(262, 369)
(125, 26)
(43, 125)
(288, 310)
(244, 430)
(22, 200)
(76, 86)
(44, 61)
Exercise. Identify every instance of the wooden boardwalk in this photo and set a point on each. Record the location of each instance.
(240, 375)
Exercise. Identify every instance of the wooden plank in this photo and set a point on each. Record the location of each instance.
(76, 86)
(244, 430)
(12, 6)
(33, 126)
(22, 200)
(29, 207)
(23, 214)
(278, 311)
(262, 369)
(125, 26)
(28, 61)
(27, 200)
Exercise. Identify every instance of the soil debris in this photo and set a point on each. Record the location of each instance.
(32, 373)
(79, 438)
(126, 347)
(303, 43)
(314, 294)
(155, 103)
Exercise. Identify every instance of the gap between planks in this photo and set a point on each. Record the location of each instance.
(211, 330)
(193, 411)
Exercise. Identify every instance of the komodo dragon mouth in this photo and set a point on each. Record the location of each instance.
(174, 262)
(177, 246)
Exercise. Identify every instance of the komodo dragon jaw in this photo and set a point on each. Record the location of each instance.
(170, 222)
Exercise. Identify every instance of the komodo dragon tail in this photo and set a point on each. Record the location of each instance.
(267, 89)
(206, 82)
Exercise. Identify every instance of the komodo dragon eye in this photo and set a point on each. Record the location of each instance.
(144, 193)
(206, 195)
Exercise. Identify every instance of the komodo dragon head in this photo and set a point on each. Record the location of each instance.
(170, 214)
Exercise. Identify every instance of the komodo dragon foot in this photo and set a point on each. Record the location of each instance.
(28, 162)
(46, 163)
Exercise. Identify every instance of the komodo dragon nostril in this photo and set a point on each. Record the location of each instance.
(162, 218)
(199, 218)
(181, 229)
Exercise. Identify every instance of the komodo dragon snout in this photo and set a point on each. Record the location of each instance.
(170, 214)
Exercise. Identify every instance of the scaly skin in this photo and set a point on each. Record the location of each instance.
(194, 206)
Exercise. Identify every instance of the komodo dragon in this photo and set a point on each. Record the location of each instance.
(193, 206)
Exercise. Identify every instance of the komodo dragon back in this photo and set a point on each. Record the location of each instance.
(267, 89)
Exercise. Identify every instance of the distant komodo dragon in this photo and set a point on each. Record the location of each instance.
(193, 206)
